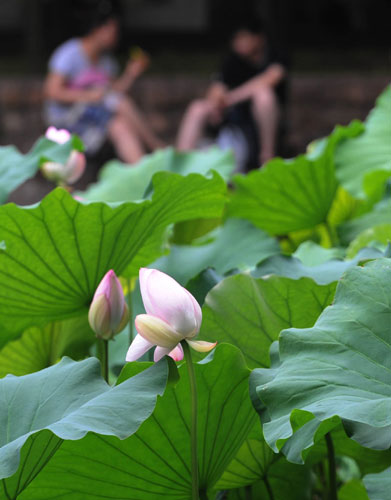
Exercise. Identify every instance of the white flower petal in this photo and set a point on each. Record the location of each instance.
(177, 353)
(157, 331)
(201, 345)
(137, 348)
(166, 299)
(160, 352)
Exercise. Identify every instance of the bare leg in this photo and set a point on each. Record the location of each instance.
(267, 113)
(193, 124)
(125, 140)
(129, 111)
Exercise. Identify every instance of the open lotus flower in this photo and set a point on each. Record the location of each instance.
(108, 312)
(72, 169)
(173, 315)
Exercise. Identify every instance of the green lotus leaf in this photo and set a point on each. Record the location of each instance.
(68, 401)
(39, 348)
(156, 461)
(15, 167)
(250, 313)
(290, 195)
(377, 236)
(235, 245)
(324, 273)
(55, 253)
(338, 369)
(121, 182)
(378, 485)
(369, 154)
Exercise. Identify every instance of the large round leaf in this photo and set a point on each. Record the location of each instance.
(250, 313)
(380, 214)
(323, 273)
(156, 462)
(289, 195)
(235, 245)
(378, 486)
(119, 182)
(256, 464)
(40, 348)
(340, 367)
(53, 255)
(370, 153)
(65, 402)
(15, 167)
(377, 236)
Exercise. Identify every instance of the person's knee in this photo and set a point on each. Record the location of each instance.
(265, 97)
(199, 108)
(117, 127)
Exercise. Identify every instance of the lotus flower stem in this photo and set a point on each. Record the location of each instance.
(129, 297)
(103, 355)
(331, 234)
(194, 418)
(332, 468)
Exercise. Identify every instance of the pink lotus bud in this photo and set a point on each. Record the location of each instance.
(173, 315)
(68, 173)
(60, 136)
(108, 312)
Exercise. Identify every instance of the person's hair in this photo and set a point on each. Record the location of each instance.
(254, 26)
(93, 14)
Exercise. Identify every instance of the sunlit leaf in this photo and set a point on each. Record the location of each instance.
(155, 461)
(121, 182)
(40, 348)
(340, 367)
(235, 245)
(15, 167)
(368, 154)
(250, 313)
(68, 401)
(55, 253)
(290, 195)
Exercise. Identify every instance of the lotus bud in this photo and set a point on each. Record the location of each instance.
(72, 169)
(108, 314)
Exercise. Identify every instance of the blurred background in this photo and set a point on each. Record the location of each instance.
(339, 53)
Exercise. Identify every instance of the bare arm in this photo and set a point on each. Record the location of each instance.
(55, 88)
(133, 70)
(271, 77)
(216, 92)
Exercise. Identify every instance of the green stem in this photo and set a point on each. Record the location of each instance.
(129, 297)
(103, 355)
(268, 487)
(331, 234)
(333, 495)
(248, 492)
(194, 414)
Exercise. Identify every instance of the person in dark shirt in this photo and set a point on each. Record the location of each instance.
(249, 91)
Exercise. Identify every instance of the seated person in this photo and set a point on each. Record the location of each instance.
(248, 92)
(85, 96)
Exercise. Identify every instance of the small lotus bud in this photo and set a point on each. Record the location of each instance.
(108, 312)
(68, 173)
(72, 169)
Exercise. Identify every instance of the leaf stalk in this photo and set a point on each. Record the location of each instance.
(194, 421)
